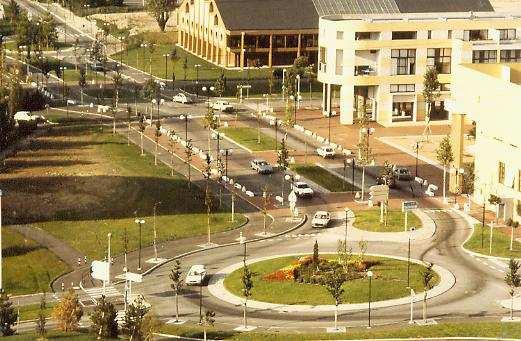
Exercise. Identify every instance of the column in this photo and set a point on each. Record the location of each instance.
(242, 51)
(299, 45)
(457, 132)
(346, 104)
(324, 94)
(270, 55)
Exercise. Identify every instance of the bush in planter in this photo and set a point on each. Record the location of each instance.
(509, 222)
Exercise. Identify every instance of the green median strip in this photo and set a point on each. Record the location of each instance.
(249, 138)
(479, 242)
(322, 177)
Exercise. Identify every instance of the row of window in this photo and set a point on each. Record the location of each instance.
(468, 35)
(508, 182)
(396, 88)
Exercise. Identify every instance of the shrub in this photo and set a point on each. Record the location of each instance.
(509, 222)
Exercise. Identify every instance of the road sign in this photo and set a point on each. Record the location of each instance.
(100, 270)
(409, 206)
(378, 193)
(133, 277)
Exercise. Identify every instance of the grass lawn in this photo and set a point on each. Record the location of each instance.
(369, 220)
(30, 312)
(27, 266)
(456, 329)
(54, 335)
(500, 243)
(11, 45)
(79, 184)
(73, 75)
(140, 58)
(324, 178)
(248, 137)
(389, 281)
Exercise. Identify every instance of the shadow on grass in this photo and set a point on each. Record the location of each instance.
(19, 250)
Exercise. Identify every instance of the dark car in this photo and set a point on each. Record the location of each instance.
(386, 180)
(402, 174)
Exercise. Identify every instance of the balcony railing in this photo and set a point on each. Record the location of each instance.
(365, 70)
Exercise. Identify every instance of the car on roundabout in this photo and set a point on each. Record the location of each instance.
(321, 219)
(326, 152)
(402, 174)
(181, 98)
(302, 189)
(261, 166)
(196, 275)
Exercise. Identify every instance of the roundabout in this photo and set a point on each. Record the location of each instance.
(275, 290)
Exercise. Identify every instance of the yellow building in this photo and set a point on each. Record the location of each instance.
(249, 33)
(490, 95)
(379, 60)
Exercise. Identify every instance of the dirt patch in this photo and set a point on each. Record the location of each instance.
(138, 22)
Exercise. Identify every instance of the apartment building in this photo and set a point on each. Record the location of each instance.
(379, 60)
(249, 33)
(489, 95)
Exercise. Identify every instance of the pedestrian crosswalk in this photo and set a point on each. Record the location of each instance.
(108, 291)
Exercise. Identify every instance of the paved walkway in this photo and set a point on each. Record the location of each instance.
(216, 288)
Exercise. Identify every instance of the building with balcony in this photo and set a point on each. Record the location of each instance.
(489, 95)
(378, 61)
(249, 33)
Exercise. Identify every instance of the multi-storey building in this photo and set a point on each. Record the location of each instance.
(379, 60)
(489, 95)
(249, 33)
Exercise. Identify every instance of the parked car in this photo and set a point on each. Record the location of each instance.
(26, 116)
(302, 189)
(181, 98)
(386, 180)
(196, 275)
(321, 219)
(97, 66)
(261, 166)
(326, 151)
(222, 105)
(402, 174)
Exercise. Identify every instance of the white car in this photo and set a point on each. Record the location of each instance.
(261, 166)
(222, 105)
(326, 151)
(24, 116)
(196, 275)
(321, 219)
(302, 189)
(181, 98)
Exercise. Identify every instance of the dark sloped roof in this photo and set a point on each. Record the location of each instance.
(268, 14)
(246, 15)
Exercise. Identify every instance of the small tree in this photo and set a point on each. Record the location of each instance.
(445, 156)
(177, 284)
(496, 201)
(157, 135)
(513, 280)
(283, 156)
(468, 179)
(219, 85)
(189, 152)
(207, 321)
(365, 153)
(427, 275)
(104, 319)
(316, 254)
(172, 142)
(40, 320)
(129, 122)
(68, 312)
(8, 315)
(141, 128)
(431, 91)
(210, 122)
(185, 67)
(247, 286)
(82, 82)
(134, 320)
(333, 282)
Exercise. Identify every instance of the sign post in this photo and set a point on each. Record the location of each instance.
(379, 194)
(406, 207)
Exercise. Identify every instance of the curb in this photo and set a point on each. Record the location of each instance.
(472, 221)
(216, 288)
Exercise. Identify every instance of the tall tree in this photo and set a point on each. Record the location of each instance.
(141, 127)
(513, 280)
(427, 275)
(103, 319)
(445, 156)
(8, 315)
(160, 10)
(134, 322)
(219, 85)
(247, 286)
(189, 152)
(333, 282)
(68, 312)
(283, 156)
(177, 285)
(208, 321)
(431, 92)
(365, 152)
(157, 135)
(82, 82)
(41, 320)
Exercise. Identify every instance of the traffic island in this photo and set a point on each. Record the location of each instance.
(369, 220)
(287, 283)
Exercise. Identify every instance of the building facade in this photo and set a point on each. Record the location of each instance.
(249, 33)
(489, 95)
(379, 60)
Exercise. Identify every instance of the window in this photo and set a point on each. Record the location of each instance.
(501, 172)
(339, 63)
(187, 8)
(402, 88)
(449, 34)
(211, 7)
(429, 34)
(403, 111)
(440, 59)
(339, 35)
(397, 35)
(362, 35)
(510, 56)
(507, 34)
(403, 61)
(445, 87)
(484, 56)
(519, 180)
(323, 58)
(215, 20)
(473, 35)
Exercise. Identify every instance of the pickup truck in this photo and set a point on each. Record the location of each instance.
(222, 106)
(302, 190)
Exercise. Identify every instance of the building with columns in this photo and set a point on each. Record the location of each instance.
(249, 33)
(378, 61)
(489, 94)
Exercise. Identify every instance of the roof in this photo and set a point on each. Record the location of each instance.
(244, 15)
(268, 14)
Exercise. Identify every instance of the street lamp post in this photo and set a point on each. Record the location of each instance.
(109, 235)
(346, 210)
(218, 136)
(351, 162)
(226, 152)
(140, 222)
(186, 118)
(197, 66)
(370, 276)
(417, 148)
